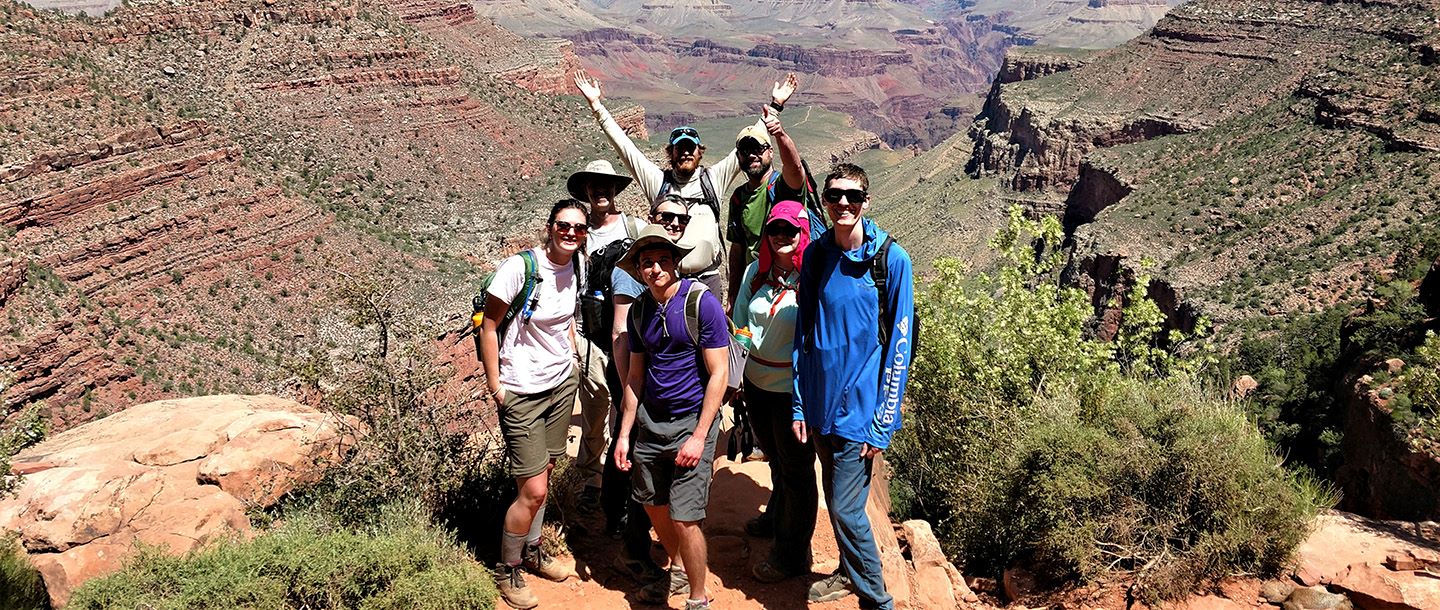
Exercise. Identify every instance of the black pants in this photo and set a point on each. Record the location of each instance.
(615, 485)
(794, 500)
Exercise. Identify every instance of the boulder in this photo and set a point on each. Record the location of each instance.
(1276, 591)
(1243, 386)
(1372, 587)
(175, 474)
(1315, 598)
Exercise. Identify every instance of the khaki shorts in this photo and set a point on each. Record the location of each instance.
(535, 426)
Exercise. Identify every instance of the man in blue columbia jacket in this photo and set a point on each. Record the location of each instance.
(850, 371)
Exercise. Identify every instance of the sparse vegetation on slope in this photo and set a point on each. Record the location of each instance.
(1079, 457)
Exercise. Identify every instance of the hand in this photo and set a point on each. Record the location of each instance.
(783, 90)
(689, 454)
(772, 122)
(622, 454)
(801, 434)
(867, 452)
(588, 86)
(498, 394)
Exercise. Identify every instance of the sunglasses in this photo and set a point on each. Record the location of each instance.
(752, 151)
(782, 229)
(565, 227)
(666, 218)
(850, 195)
(684, 131)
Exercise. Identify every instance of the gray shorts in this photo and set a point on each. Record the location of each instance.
(536, 426)
(657, 481)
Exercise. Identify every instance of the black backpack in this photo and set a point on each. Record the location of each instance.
(880, 273)
(597, 305)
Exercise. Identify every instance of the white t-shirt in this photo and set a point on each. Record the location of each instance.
(535, 354)
(599, 238)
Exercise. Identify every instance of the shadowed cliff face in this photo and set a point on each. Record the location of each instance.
(1267, 159)
(183, 186)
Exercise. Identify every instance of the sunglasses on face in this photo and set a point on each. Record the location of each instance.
(565, 227)
(850, 195)
(752, 151)
(666, 218)
(782, 229)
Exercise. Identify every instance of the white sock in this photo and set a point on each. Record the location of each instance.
(536, 527)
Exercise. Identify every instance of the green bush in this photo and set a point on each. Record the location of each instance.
(20, 584)
(1080, 457)
(311, 562)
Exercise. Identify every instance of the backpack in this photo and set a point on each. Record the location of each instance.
(519, 304)
(597, 305)
(709, 199)
(645, 307)
(880, 272)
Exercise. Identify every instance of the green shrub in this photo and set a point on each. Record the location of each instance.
(1076, 456)
(312, 562)
(20, 584)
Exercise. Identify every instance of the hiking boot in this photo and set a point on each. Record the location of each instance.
(659, 592)
(643, 570)
(765, 571)
(691, 604)
(589, 501)
(513, 589)
(541, 564)
(830, 588)
(761, 527)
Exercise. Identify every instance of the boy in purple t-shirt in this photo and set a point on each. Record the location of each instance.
(675, 441)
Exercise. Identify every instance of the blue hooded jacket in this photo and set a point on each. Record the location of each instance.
(846, 382)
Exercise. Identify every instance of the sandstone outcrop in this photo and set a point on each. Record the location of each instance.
(175, 474)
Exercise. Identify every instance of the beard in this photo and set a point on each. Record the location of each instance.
(757, 170)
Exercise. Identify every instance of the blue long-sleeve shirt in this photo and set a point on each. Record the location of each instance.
(846, 382)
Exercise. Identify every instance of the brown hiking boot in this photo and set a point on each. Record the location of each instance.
(513, 588)
(660, 591)
(541, 564)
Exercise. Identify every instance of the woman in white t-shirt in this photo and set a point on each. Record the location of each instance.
(531, 373)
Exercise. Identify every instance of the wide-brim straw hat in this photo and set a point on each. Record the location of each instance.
(595, 170)
(651, 235)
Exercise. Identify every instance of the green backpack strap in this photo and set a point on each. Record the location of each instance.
(692, 310)
(517, 305)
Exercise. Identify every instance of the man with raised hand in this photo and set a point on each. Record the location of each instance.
(696, 183)
(752, 200)
(853, 340)
(678, 373)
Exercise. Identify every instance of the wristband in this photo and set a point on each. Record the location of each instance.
(778, 107)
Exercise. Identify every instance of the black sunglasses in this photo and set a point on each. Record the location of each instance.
(565, 227)
(851, 195)
(783, 229)
(666, 218)
(753, 151)
(684, 131)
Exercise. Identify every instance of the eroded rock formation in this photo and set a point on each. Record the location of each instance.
(176, 474)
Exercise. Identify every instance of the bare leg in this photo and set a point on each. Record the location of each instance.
(664, 530)
(531, 497)
(693, 552)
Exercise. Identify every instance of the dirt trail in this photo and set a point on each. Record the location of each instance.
(739, 492)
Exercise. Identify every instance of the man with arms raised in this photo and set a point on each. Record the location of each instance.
(676, 327)
(694, 182)
(852, 358)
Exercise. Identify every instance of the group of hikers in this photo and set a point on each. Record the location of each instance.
(811, 343)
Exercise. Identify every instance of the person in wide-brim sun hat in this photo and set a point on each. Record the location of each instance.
(651, 237)
(599, 171)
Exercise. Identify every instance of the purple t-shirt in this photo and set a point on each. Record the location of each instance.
(673, 380)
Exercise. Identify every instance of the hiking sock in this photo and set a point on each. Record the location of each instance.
(536, 527)
(510, 546)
